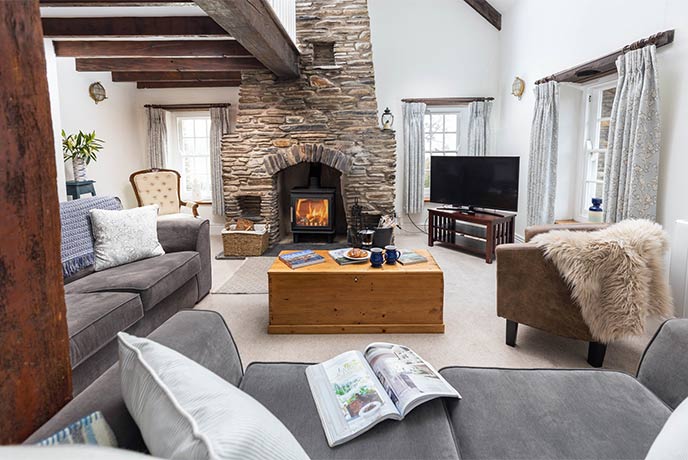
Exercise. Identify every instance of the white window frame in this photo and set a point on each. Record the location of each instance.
(592, 107)
(174, 150)
(461, 113)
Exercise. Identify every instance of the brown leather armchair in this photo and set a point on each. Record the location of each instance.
(530, 291)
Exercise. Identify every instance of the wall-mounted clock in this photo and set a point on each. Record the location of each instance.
(518, 87)
(97, 92)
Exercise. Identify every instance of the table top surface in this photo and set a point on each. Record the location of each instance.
(80, 182)
(477, 217)
(331, 266)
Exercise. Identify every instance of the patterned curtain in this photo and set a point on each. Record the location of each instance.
(631, 170)
(479, 127)
(219, 126)
(414, 156)
(157, 137)
(542, 165)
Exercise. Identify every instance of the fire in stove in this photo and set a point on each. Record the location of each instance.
(312, 212)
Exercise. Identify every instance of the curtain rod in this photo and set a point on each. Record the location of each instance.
(448, 100)
(606, 65)
(187, 106)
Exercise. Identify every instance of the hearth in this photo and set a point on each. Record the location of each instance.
(312, 209)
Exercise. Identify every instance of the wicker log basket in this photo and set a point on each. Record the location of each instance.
(245, 243)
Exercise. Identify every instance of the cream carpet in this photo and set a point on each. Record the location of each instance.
(474, 334)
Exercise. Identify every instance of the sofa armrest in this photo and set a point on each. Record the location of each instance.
(533, 230)
(177, 235)
(664, 365)
(530, 291)
(191, 205)
(199, 335)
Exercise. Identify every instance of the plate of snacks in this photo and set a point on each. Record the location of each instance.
(357, 254)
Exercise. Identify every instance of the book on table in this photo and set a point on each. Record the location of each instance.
(301, 259)
(355, 391)
(411, 257)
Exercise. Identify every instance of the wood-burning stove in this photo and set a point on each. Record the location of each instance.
(313, 209)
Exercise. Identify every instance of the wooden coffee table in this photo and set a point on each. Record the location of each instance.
(329, 298)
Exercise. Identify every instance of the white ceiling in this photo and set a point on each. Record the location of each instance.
(120, 11)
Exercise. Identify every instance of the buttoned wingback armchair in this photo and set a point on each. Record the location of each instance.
(160, 187)
(531, 291)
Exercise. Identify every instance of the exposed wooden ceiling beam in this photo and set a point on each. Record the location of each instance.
(172, 26)
(255, 26)
(487, 11)
(159, 48)
(175, 76)
(188, 84)
(161, 64)
(115, 2)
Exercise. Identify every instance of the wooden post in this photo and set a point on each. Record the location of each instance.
(35, 376)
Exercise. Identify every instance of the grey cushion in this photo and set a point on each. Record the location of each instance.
(284, 390)
(209, 344)
(153, 279)
(94, 319)
(664, 367)
(552, 414)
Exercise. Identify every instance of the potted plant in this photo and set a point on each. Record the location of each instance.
(81, 148)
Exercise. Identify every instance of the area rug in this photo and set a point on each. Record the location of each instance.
(250, 278)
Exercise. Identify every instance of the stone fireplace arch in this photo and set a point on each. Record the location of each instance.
(302, 153)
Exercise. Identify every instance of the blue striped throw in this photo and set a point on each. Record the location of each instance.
(92, 429)
(77, 239)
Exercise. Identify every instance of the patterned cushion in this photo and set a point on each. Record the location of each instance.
(159, 187)
(122, 237)
(92, 429)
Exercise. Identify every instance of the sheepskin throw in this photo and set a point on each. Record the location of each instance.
(616, 275)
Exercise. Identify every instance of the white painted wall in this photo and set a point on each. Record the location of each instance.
(119, 120)
(541, 37)
(114, 121)
(53, 90)
(422, 50)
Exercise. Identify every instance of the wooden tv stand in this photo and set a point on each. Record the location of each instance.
(476, 232)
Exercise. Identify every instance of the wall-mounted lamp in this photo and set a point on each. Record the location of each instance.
(518, 87)
(387, 119)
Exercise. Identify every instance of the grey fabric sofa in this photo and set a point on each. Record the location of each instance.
(504, 413)
(136, 297)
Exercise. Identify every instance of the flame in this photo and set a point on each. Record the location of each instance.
(312, 213)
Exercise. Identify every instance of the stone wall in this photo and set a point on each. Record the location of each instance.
(329, 114)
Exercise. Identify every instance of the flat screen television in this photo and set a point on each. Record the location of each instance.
(475, 182)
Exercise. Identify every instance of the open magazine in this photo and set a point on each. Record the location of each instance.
(355, 391)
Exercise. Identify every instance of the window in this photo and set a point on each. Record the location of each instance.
(189, 154)
(444, 136)
(599, 102)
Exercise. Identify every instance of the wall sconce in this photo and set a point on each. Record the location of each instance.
(387, 119)
(518, 87)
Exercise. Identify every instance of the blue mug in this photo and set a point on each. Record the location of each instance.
(392, 254)
(376, 257)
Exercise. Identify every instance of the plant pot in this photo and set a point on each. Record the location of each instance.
(79, 167)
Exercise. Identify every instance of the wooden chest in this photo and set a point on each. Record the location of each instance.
(329, 298)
